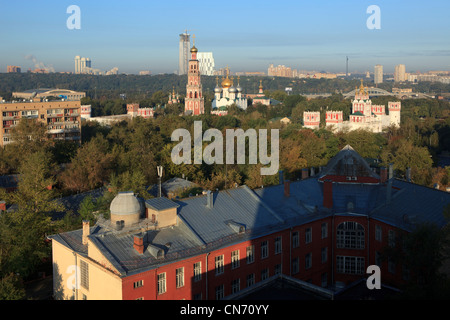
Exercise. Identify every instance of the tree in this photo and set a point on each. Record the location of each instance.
(11, 287)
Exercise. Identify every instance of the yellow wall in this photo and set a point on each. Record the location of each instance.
(103, 284)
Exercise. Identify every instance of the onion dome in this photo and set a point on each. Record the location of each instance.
(232, 90)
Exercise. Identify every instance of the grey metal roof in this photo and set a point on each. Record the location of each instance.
(160, 203)
(262, 211)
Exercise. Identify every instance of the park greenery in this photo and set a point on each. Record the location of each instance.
(124, 157)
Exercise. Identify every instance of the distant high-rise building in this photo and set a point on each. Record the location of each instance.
(183, 53)
(378, 74)
(206, 63)
(400, 73)
(13, 69)
(77, 64)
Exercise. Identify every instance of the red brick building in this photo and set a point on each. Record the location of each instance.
(325, 229)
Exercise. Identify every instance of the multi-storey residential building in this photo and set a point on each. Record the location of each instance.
(183, 53)
(325, 229)
(378, 74)
(206, 63)
(400, 73)
(62, 118)
(13, 69)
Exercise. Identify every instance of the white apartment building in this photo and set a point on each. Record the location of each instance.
(206, 63)
(378, 74)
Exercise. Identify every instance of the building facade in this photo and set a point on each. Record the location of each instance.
(62, 118)
(226, 95)
(206, 63)
(194, 102)
(364, 115)
(400, 73)
(44, 93)
(183, 53)
(325, 229)
(378, 74)
(13, 69)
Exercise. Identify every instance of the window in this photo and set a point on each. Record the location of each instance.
(295, 238)
(219, 264)
(161, 283)
(391, 238)
(250, 254)
(264, 250)
(378, 233)
(350, 265)
(197, 296)
(308, 235)
(378, 258)
(324, 254)
(250, 280)
(350, 235)
(264, 274)
(197, 271)
(138, 284)
(219, 292)
(235, 285)
(391, 266)
(295, 265)
(84, 269)
(324, 229)
(235, 259)
(179, 277)
(277, 245)
(278, 269)
(308, 260)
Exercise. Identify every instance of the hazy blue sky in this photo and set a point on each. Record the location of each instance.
(247, 35)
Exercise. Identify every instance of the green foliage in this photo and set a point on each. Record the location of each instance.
(11, 287)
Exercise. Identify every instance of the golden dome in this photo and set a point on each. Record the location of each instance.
(226, 83)
(194, 49)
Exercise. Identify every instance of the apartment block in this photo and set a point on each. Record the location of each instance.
(62, 118)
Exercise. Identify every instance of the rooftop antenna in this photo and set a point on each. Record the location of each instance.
(160, 171)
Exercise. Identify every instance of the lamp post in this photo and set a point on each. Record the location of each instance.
(160, 171)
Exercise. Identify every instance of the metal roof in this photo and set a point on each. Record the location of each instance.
(160, 203)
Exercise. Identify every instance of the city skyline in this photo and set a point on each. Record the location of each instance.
(144, 35)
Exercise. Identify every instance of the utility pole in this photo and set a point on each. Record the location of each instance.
(160, 170)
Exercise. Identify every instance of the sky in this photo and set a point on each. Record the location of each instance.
(245, 35)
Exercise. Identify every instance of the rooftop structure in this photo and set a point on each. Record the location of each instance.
(215, 245)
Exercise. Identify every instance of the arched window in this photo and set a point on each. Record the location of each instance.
(350, 235)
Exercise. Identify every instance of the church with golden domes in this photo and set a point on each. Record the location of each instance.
(227, 94)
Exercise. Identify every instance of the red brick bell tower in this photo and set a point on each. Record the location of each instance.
(194, 102)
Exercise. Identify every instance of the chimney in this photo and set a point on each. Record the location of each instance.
(2, 205)
(328, 194)
(138, 244)
(391, 171)
(209, 199)
(280, 177)
(287, 188)
(86, 231)
(408, 174)
(304, 173)
(383, 174)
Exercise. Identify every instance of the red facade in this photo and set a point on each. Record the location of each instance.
(316, 252)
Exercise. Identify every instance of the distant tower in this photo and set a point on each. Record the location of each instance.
(346, 68)
(183, 53)
(394, 113)
(77, 64)
(378, 74)
(194, 101)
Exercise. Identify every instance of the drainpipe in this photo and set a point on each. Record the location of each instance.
(76, 276)
(206, 275)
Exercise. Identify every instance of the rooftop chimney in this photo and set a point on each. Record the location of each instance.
(304, 173)
(408, 174)
(139, 243)
(280, 177)
(287, 188)
(86, 231)
(383, 174)
(328, 194)
(209, 199)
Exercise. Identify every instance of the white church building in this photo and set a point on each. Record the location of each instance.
(226, 95)
(364, 115)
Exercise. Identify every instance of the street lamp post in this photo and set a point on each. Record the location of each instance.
(160, 171)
